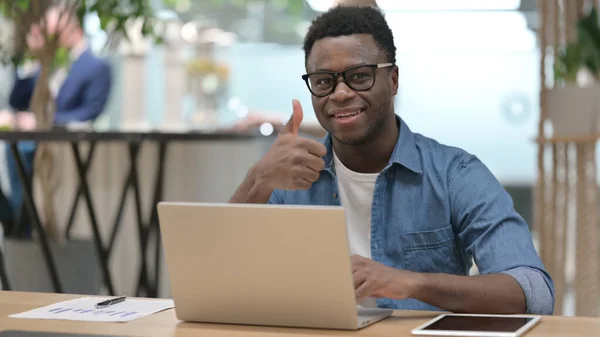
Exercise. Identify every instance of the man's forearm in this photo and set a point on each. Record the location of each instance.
(491, 294)
(250, 191)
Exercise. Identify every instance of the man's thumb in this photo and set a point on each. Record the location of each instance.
(293, 124)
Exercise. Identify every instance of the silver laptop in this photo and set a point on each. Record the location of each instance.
(270, 265)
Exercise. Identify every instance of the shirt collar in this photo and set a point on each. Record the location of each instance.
(405, 152)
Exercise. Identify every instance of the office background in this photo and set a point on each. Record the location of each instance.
(467, 78)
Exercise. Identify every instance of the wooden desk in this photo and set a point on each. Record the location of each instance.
(165, 324)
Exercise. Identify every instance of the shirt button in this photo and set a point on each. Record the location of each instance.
(334, 195)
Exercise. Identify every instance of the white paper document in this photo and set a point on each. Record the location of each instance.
(83, 309)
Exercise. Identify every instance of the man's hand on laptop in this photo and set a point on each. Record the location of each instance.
(373, 279)
(293, 162)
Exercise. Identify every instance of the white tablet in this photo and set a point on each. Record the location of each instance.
(477, 325)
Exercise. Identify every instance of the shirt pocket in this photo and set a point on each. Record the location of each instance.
(432, 251)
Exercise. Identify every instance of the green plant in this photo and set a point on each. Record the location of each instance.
(581, 54)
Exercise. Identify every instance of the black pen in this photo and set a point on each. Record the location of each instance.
(110, 302)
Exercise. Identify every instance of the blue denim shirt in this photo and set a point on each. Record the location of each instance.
(435, 209)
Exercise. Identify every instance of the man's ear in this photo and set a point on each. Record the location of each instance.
(395, 79)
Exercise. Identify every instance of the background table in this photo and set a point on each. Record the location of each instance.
(147, 224)
(165, 324)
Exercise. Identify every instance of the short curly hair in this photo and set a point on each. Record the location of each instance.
(349, 20)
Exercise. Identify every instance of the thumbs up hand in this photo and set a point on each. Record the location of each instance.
(293, 162)
(293, 125)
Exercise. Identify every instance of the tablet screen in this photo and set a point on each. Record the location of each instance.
(478, 323)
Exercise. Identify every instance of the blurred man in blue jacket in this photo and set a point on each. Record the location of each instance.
(80, 92)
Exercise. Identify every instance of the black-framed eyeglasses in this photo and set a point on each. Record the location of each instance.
(358, 78)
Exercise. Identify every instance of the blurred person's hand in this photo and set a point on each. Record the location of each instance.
(35, 40)
(26, 121)
(7, 119)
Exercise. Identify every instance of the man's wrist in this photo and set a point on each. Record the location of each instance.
(256, 175)
(416, 284)
(406, 284)
(259, 189)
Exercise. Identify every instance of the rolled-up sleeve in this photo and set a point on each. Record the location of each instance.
(495, 235)
(537, 291)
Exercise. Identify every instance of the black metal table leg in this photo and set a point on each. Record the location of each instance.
(35, 218)
(79, 193)
(154, 224)
(119, 216)
(102, 255)
(3, 273)
(134, 149)
(131, 181)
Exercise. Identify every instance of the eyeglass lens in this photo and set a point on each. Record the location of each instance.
(361, 78)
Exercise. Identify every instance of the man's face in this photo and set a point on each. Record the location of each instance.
(352, 116)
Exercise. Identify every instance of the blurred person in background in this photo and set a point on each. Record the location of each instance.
(80, 90)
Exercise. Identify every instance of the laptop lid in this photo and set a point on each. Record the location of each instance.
(277, 265)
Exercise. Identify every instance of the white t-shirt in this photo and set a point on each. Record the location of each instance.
(356, 196)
